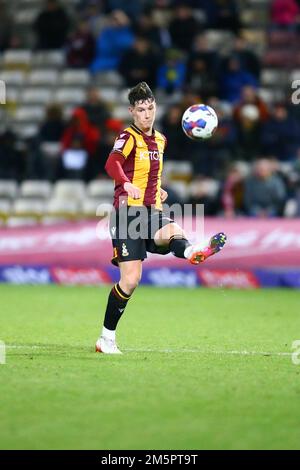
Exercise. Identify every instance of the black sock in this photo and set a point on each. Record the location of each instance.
(177, 245)
(116, 304)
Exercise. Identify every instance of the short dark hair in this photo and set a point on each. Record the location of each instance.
(141, 92)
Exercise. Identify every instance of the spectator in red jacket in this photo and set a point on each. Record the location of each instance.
(81, 130)
(285, 13)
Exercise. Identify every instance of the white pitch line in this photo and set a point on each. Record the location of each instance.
(172, 351)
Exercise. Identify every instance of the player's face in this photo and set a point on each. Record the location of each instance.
(143, 113)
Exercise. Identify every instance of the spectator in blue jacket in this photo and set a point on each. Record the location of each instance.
(112, 42)
(234, 79)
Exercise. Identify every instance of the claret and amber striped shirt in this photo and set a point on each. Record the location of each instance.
(142, 165)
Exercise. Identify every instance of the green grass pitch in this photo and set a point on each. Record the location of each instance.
(202, 369)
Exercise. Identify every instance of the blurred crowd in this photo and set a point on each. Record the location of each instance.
(252, 164)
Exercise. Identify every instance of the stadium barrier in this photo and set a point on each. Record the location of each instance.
(258, 253)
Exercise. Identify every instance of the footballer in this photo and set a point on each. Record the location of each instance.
(135, 164)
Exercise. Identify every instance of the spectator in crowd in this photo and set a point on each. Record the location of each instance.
(46, 146)
(202, 67)
(157, 34)
(265, 193)
(177, 148)
(233, 79)
(92, 11)
(74, 160)
(96, 109)
(249, 132)
(183, 27)
(11, 162)
(80, 143)
(80, 130)
(171, 74)
(139, 63)
(220, 14)
(204, 190)
(51, 26)
(80, 48)
(112, 43)
(249, 96)
(232, 194)
(6, 29)
(281, 134)
(215, 154)
(285, 14)
(249, 61)
(132, 9)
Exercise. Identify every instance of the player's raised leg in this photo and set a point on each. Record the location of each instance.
(174, 236)
(130, 272)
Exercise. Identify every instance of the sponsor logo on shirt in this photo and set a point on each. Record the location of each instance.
(150, 155)
(119, 143)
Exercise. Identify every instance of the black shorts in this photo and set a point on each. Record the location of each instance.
(132, 230)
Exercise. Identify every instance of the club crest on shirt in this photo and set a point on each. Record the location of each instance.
(124, 250)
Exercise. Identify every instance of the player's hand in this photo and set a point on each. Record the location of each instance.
(163, 195)
(132, 191)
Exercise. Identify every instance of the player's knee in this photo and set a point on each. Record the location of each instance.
(131, 281)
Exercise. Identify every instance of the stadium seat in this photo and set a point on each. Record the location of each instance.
(217, 38)
(75, 77)
(207, 187)
(17, 59)
(49, 59)
(70, 95)
(295, 75)
(8, 189)
(13, 77)
(104, 209)
(178, 170)
(100, 188)
(51, 149)
(181, 188)
(35, 189)
(47, 77)
(59, 210)
(110, 78)
(69, 190)
(12, 95)
(36, 96)
(25, 16)
(270, 78)
(29, 113)
(92, 208)
(109, 94)
(21, 221)
(281, 38)
(25, 130)
(28, 207)
(5, 210)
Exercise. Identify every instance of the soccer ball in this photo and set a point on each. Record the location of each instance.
(199, 122)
